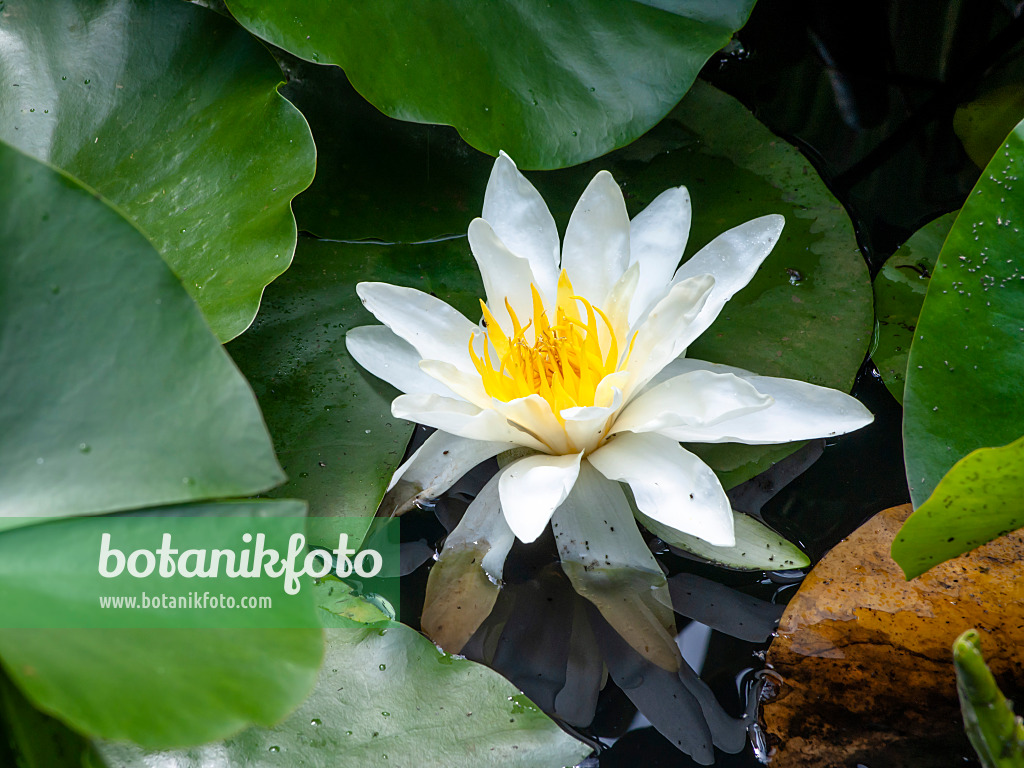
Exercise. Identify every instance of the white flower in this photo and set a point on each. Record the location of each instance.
(580, 360)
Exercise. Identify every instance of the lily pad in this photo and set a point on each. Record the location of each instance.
(103, 355)
(169, 684)
(331, 421)
(979, 499)
(967, 361)
(900, 288)
(170, 111)
(387, 694)
(552, 84)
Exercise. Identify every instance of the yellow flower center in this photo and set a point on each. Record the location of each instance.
(563, 363)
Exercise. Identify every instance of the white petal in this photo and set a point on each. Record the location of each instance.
(504, 274)
(669, 483)
(436, 465)
(586, 426)
(668, 330)
(657, 239)
(384, 354)
(699, 398)
(519, 216)
(608, 562)
(596, 248)
(484, 526)
(436, 330)
(531, 490)
(458, 417)
(468, 386)
(533, 415)
(620, 301)
(801, 411)
(733, 257)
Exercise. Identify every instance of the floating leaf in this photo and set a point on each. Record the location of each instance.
(170, 111)
(980, 498)
(389, 692)
(553, 84)
(963, 378)
(331, 421)
(115, 395)
(900, 288)
(167, 685)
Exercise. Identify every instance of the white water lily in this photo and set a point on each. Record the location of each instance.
(580, 360)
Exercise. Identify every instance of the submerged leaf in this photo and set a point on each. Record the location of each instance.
(900, 289)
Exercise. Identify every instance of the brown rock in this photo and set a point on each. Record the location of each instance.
(865, 655)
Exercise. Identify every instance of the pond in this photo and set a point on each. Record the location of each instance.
(247, 276)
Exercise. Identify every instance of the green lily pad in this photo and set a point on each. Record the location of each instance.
(900, 288)
(115, 395)
(170, 111)
(967, 361)
(167, 685)
(979, 499)
(331, 421)
(387, 696)
(552, 84)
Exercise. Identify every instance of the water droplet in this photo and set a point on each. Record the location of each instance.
(316, 721)
(575, 133)
(188, 480)
(274, 748)
(63, 77)
(386, 714)
(40, 460)
(382, 667)
(84, 447)
(88, 81)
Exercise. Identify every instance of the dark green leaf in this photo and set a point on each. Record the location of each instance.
(553, 84)
(170, 111)
(114, 394)
(967, 361)
(899, 293)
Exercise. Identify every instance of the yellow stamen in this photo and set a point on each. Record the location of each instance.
(563, 362)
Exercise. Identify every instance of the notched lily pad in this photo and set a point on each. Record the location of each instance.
(172, 113)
